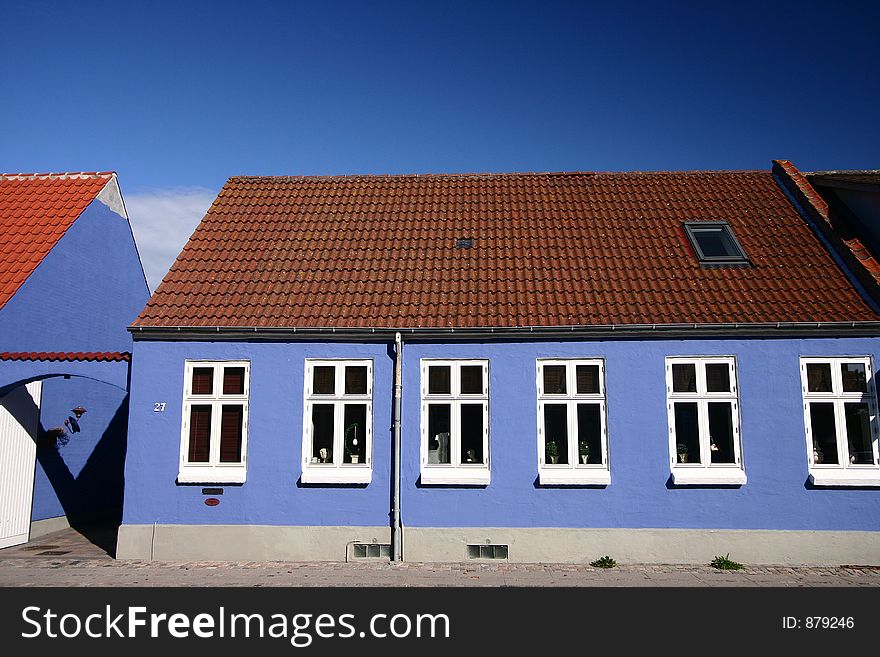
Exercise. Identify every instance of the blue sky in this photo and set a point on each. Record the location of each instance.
(178, 96)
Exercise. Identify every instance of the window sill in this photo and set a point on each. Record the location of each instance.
(455, 476)
(212, 475)
(845, 478)
(708, 477)
(361, 474)
(574, 477)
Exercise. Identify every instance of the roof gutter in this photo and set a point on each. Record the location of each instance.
(616, 331)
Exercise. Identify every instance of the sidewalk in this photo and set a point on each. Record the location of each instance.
(69, 559)
(101, 572)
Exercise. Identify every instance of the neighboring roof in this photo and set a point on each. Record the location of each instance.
(549, 249)
(36, 209)
(867, 177)
(834, 224)
(118, 356)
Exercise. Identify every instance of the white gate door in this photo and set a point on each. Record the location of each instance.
(19, 423)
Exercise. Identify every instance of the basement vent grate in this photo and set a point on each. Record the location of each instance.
(487, 551)
(371, 551)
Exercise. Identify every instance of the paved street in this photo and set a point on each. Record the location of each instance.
(97, 572)
(69, 559)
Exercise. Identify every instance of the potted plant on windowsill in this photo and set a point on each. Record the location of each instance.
(818, 456)
(351, 446)
(584, 451)
(682, 450)
(552, 451)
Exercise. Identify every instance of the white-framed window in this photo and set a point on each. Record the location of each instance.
(337, 443)
(705, 446)
(840, 415)
(572, 430)
(213, 444)
(455, 422)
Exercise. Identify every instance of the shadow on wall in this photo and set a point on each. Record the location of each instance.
(92, 501)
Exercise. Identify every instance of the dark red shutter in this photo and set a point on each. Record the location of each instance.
(199, 434)
(231, 424)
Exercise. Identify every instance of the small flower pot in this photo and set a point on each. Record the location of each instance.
(585, 458)
(354, 458)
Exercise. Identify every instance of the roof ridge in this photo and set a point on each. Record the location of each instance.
(514, 174)
(841, 171)
(62, 175)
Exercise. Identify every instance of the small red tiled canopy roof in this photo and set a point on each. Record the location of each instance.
(99, 356)
(551, 249)
(36, 209)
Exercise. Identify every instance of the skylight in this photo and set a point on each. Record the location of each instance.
(714, 243)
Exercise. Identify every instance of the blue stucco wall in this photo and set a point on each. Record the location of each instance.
(80, 298)
(82, 479)
(776, 496)
(271, 495)
(84, 293)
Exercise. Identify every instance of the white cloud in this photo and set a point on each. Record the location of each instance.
(162, 221)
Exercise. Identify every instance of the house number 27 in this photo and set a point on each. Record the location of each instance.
(159, 407)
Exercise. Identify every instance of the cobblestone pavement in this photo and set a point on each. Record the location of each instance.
(103, 572)
(85, 564)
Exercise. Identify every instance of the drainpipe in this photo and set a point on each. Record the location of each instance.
(395, 468)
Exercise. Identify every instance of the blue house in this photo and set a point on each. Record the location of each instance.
(661, 367)
(70, 282)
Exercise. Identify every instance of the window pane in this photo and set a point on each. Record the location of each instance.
(233, 380)
(356, 380)
(554, 379)
(715, 242)
(684, 377)
(354, 439)
(472, 433)
(717, 377)
(589, 433)
(853, 375)
(322, 433)
(555, 433)
(472, 379)
(818, 377)
(588, 379)
(721, 432)
(439, 423)
(687, 433)
(324, 380)
(203, 380)
(858, 433)
(231, 424)
(824, 434)
(439, 380)
(199, 434)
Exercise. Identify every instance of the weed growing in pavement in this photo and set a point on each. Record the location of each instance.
(724, 563)
(604, 562)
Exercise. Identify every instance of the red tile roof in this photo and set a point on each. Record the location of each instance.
(66, 355)
(36, 209)
(551, 249)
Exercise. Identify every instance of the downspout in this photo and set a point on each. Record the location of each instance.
(396, 554)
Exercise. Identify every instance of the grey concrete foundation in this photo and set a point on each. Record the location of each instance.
(47, 526)
(526, 545)
(683, 546)
(243, 542)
